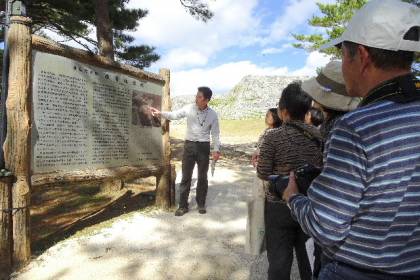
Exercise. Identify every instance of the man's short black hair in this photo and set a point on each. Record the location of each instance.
(386, 59)
(295, 101)
(206, 91)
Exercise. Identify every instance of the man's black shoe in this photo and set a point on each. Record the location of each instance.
(181, 211)
(202, 210)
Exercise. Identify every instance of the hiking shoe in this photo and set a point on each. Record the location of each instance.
(181, 211)
(202, 210)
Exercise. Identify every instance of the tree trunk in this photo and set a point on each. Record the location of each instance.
(104, 29)
(163, 182)
(17, 147)
(5, 227)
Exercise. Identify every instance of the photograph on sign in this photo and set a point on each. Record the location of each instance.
(141, 114)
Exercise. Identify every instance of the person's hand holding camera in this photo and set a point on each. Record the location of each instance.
(292, 187)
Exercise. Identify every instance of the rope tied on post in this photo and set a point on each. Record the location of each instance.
(14, 210)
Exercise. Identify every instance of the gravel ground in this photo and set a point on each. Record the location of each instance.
(156, 245)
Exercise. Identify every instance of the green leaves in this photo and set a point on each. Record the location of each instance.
(332, 23)
(139, 56)
(197, 9)
(75, 21)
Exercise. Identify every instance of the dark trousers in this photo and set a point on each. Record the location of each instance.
(194, 152)
(283, 235)
(317, 261)
(333, 270)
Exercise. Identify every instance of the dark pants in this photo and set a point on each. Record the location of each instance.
(317, 261)
(282, 235)
(194, 152)
(333, 270)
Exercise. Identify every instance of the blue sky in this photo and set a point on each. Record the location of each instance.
(245, 37)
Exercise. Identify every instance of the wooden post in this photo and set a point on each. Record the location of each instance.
(173, 178)
(5, 227)
(17, 146)
(163, 182)
(112, 185)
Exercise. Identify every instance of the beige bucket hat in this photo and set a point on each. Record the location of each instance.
(382, 24)
(329, 90)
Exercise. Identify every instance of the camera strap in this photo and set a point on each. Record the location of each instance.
(402, 89)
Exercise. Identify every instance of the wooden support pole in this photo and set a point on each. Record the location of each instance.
(163, 182)
(5, 227)
(17, 146)
(173, 178)
(163, 195)
(114, 185)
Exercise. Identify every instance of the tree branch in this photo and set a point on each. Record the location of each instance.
(197, 9)
(72, 37)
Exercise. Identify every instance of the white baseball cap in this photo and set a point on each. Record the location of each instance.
(329, 90)
(382, 24)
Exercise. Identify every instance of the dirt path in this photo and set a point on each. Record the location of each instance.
(156, 245)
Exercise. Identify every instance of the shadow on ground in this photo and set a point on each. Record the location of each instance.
(57, 212)
(157, 245)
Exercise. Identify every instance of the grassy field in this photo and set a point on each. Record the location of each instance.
(231, 131)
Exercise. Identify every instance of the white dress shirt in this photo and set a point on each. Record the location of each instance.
(200, 124)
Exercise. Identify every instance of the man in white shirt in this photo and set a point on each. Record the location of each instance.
(202, 121)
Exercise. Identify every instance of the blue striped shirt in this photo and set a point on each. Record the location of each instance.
(364, 208)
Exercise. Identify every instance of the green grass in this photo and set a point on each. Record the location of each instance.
(222, 101)
(232, 131)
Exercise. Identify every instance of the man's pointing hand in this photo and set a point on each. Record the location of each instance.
(155, 112)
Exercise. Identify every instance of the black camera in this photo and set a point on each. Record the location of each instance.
(304, 177)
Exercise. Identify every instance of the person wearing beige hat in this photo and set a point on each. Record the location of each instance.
(363, 209)
(329, 94)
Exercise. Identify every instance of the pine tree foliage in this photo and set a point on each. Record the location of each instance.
(197, 9)
(331, 23)
(75, 21)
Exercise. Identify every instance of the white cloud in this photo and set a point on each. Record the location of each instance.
(220, 79)
(168, 26)
(314, 61)
(187, 45)
(282, 49)
(235, 24)
(295, 14)
(184, 58)
(224, 77)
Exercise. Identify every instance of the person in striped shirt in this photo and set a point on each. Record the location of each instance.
(364, 208)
